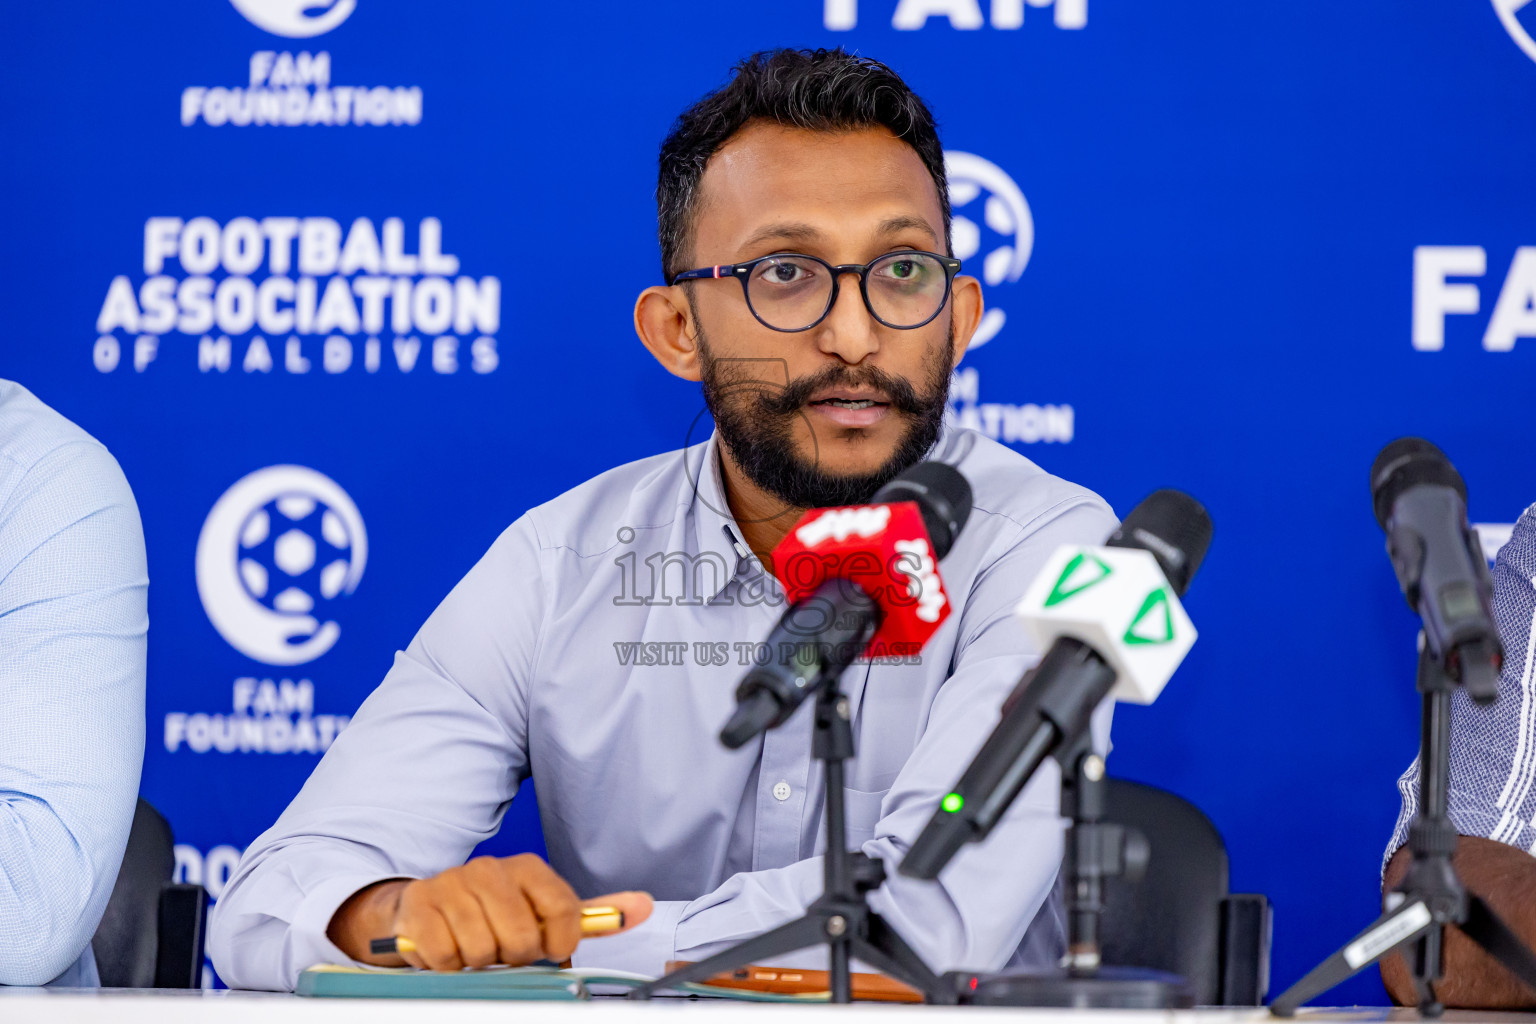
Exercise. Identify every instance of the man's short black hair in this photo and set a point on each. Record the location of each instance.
(822, 90)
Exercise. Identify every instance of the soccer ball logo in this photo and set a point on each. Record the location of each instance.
(294, 554)
(991, 216)
(278, 549)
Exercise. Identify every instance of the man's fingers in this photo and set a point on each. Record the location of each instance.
(422, 923)
(477, 946)
(553, 901)
(514, 911)
(512, 920)
(635, 906)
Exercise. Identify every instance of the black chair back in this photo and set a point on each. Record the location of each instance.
(151, 935)
(1181, 917)
(128, 937)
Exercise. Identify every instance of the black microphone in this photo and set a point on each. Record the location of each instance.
(819, 636)
(1052, 704)
(1421, 503)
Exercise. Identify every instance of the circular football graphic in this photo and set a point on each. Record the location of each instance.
(991, 221)
(294, 554)
(277, 553)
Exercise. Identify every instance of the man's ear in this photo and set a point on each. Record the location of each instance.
(967, 306)
(664, 322)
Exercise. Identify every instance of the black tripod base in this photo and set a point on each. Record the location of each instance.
(1111, 988)
(1431, 896)
(848, 927)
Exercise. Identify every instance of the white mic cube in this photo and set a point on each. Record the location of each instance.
(1117, 601)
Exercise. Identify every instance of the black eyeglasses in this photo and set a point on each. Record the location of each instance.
(792, 292)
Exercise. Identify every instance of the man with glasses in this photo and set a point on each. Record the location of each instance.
(804, 228)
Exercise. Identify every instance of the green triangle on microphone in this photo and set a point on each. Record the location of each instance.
(1082, 572)
(1153, 623)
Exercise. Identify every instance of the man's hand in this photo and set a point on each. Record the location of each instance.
(509, 910)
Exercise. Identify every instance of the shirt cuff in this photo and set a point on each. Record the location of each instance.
(641, 950)
(308, 943)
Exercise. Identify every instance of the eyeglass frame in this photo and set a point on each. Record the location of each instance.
(743, 271)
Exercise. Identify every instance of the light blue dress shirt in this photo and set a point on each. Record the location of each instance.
(73, 586)
(528, 667)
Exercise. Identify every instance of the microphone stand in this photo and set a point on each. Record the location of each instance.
(1431, 896)
(841, 917)
(1096, 851)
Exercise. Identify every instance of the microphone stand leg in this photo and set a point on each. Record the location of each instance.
(1410, 922)
(1485, 928)
(797, 934)
(840, 918)
(885, 950)
(1427, 971)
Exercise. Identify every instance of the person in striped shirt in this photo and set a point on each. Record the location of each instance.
(1492, 798)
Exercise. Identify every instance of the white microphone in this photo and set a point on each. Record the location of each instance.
(1117, 601)
(1110, 620)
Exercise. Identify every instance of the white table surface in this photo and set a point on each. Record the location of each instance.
(164, 1006)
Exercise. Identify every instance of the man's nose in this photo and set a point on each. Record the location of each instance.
(849, 332)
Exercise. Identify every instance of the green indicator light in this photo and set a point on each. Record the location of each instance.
(953, 802)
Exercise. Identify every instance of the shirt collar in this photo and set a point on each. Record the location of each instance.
(714, 527)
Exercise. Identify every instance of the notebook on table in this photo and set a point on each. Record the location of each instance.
(545, 983)
(751, 983)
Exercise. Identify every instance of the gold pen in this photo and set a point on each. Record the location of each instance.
(601, 920)
(594, 921)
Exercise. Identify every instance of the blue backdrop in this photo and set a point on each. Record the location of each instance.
(1236, 248)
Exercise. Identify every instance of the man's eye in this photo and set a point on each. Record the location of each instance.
(783, 272)
(907, 270)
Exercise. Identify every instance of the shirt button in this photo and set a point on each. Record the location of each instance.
(781, 791)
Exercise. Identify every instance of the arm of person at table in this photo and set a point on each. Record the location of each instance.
(1506, 879)
(976, 913)
(1493, 774)
(73, 586)
(375, 842)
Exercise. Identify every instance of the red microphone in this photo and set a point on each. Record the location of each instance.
(884, 552)
(861, 580)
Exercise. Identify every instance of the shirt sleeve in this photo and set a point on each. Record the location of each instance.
(1493, 748)
(73, 621)
(976, 914)
(455, 699)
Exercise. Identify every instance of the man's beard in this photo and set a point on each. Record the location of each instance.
(756, 420)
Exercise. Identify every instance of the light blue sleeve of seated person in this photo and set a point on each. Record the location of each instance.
(73, 623)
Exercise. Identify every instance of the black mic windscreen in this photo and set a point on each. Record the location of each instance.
(1408, 462)
(943, 495)
(1175, 528)
(754, 714)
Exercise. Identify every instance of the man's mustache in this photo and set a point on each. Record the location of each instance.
(898, 391)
